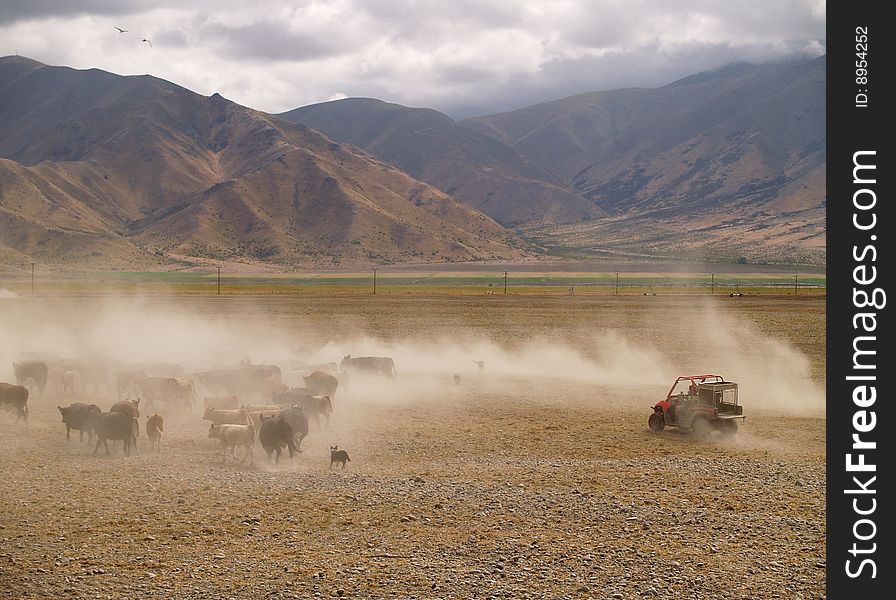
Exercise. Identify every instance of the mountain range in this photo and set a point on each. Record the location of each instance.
(728, 164)
(484, 172)
(100, 170)
(104, 171)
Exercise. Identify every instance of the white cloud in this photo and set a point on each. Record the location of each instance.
(461, 57)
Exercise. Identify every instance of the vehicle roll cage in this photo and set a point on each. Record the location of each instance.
(695, 380)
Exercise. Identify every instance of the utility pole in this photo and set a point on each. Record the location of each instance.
(796, 279)
(617, 284)
(219, 281)
(32, 279)
(505, 282)
(374, 282)
(712, 285)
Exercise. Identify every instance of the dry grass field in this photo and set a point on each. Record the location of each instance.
(536, 477)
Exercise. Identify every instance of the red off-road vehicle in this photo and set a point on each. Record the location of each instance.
(701, 403)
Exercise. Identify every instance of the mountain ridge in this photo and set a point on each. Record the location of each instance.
(743, 145)
(99, 168)
(429, 145)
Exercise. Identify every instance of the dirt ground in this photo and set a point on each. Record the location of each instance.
(536, 477)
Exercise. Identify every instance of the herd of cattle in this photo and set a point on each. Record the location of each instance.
(242, 402)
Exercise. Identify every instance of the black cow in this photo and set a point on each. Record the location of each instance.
(116, 426)
(130, 408)
(276, 433)
(377, 365)
(35, 371)
(14, 398)
(321, 383)
(298, 420)
(80, 417)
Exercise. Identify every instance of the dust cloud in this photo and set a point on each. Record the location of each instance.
(772, 374)
(540, 358)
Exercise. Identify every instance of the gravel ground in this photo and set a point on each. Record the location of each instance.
(470, 493)
(500, 487)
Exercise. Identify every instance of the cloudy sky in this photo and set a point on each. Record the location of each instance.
(464, 57)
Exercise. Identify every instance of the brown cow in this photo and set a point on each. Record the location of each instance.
(155, 424)
(316, 407)
(116, 426)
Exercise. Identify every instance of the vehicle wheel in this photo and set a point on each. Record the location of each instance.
(656, 422)
(729, 428)
(700, 427)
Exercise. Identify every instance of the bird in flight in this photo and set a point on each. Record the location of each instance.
(120, 30)
(147, 41)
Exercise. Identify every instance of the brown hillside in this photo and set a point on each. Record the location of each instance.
(483, 172)
(104, 170)
(738, 154)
